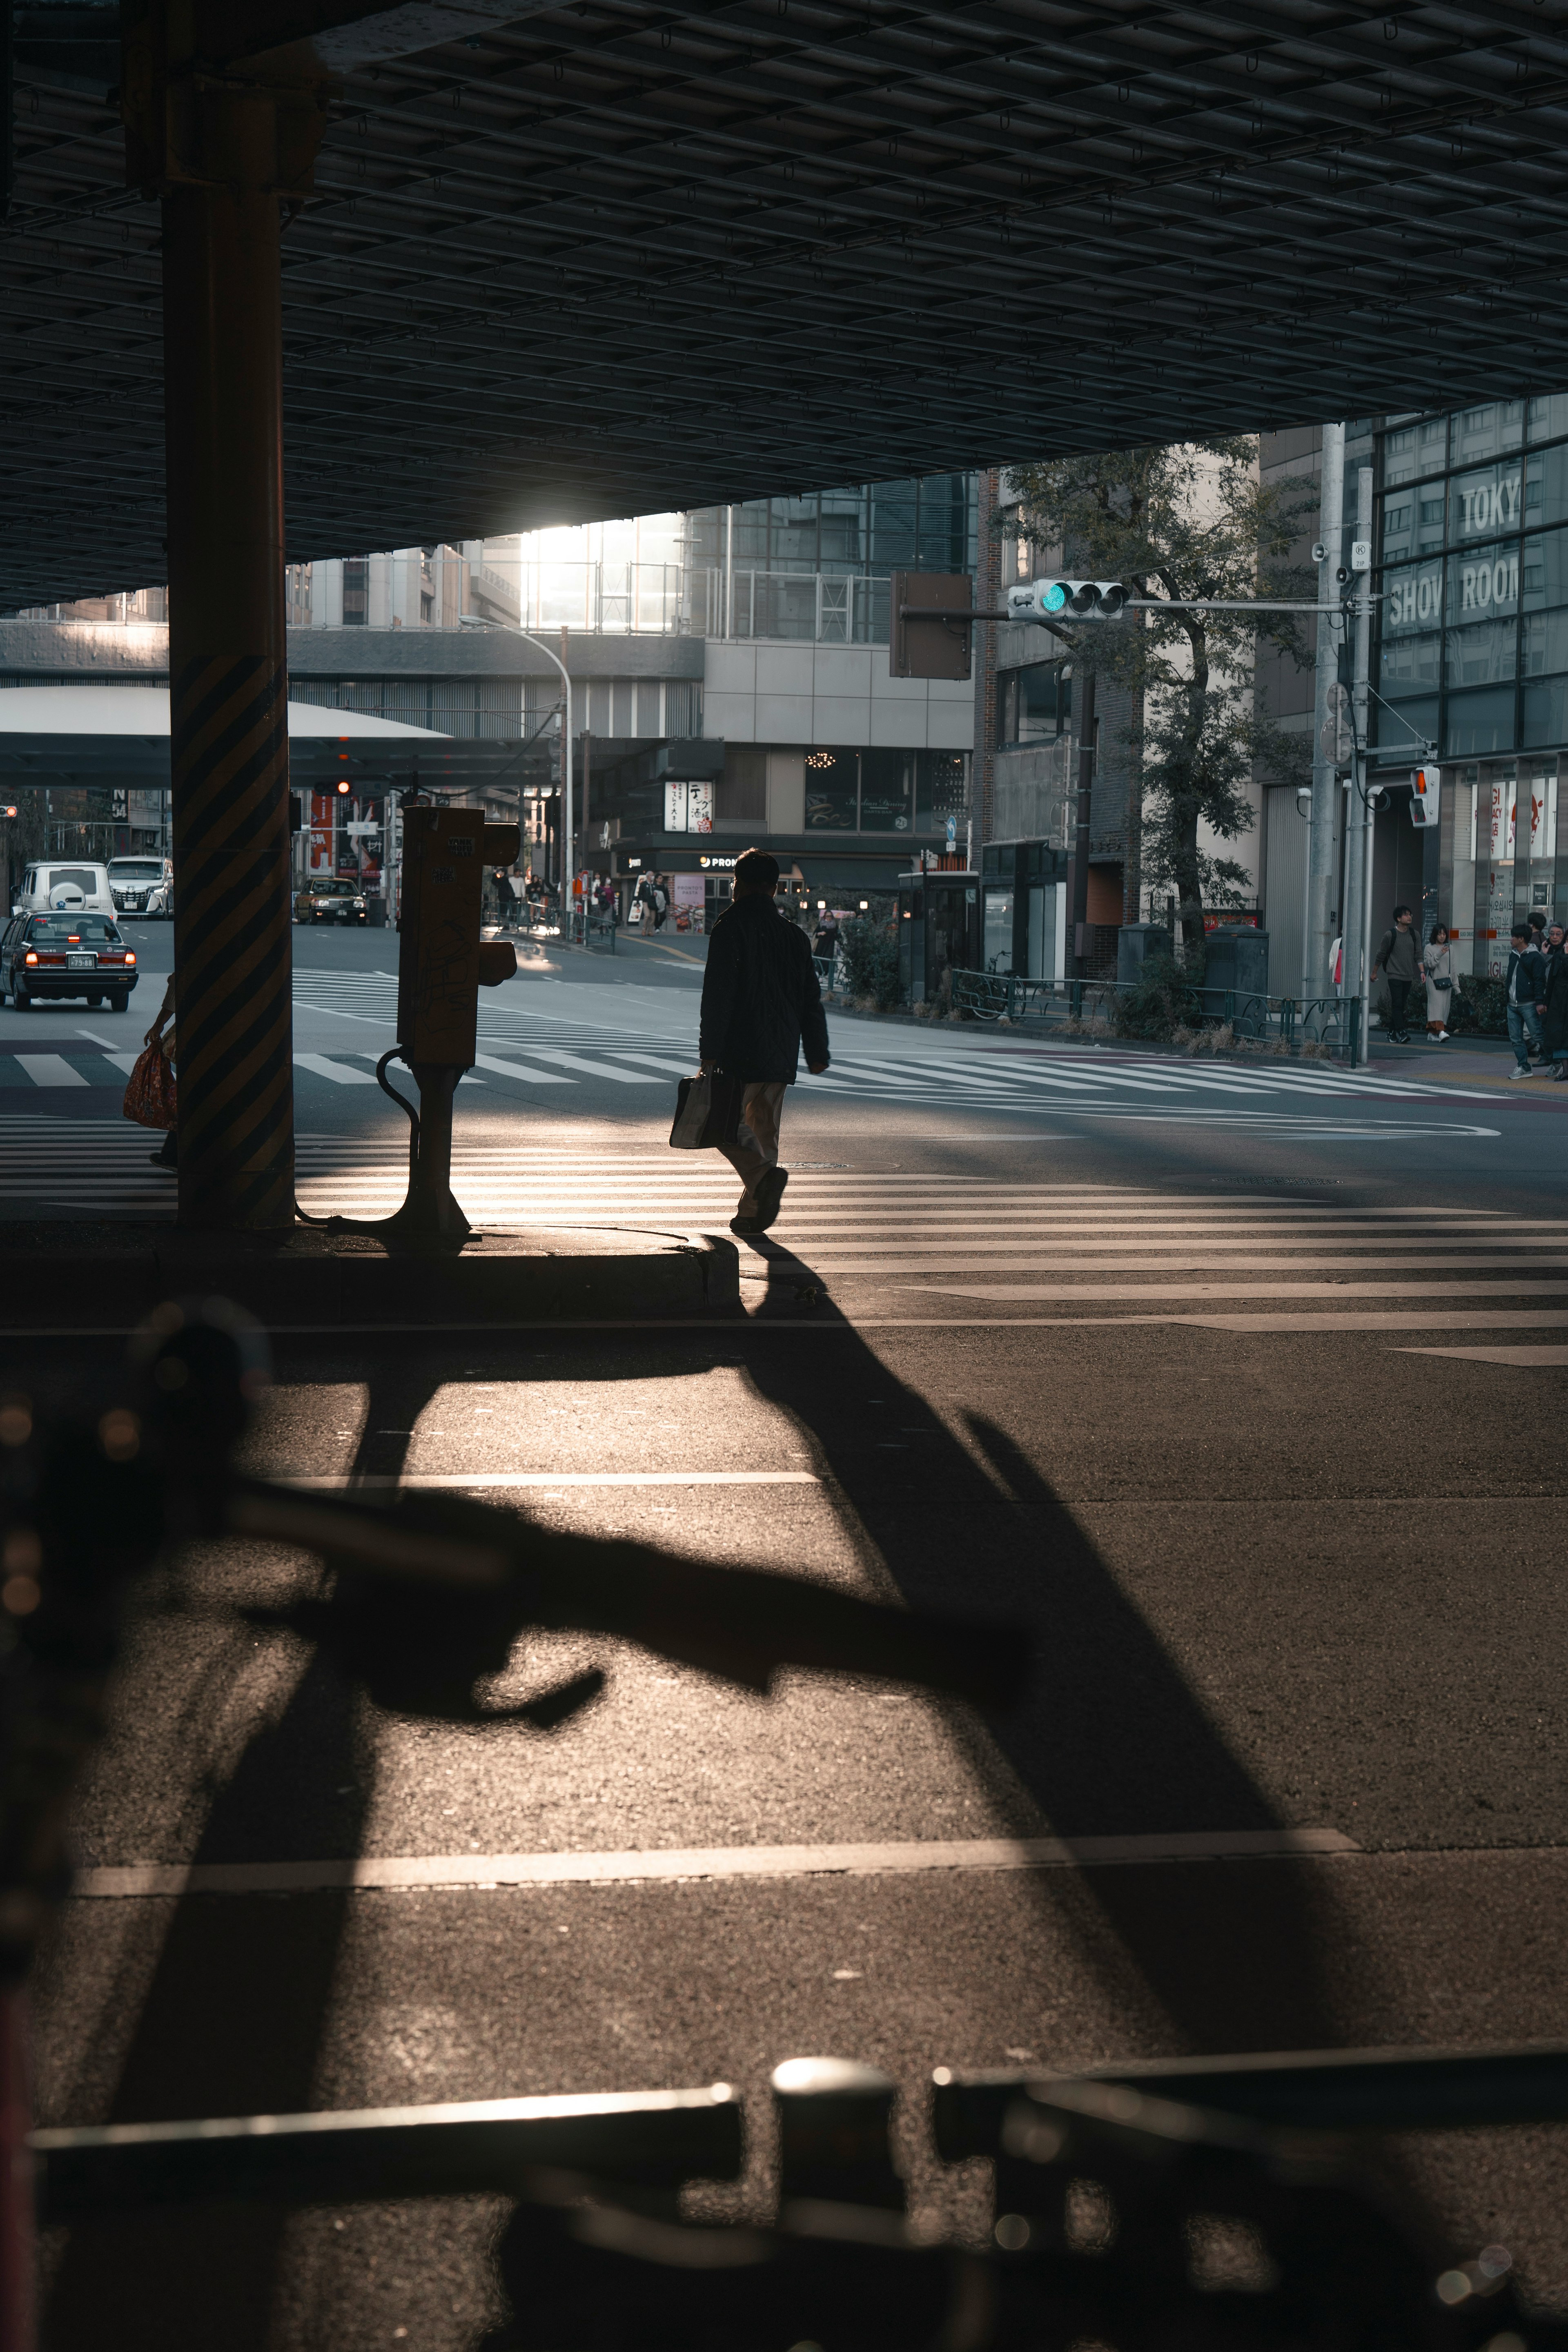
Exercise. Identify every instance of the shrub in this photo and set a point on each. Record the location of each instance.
(1158, 1001)
(871, 963)
(1485, 1003)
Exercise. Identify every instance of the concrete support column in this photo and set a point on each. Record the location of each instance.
(228, 698)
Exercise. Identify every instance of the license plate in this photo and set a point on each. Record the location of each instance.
(81, 964)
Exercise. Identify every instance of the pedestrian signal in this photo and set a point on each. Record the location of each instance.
(1424, 790)
(1067, 600)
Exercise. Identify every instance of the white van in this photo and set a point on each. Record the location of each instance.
(40, 882)
(143, 885)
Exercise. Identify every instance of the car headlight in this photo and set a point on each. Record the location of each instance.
(359, 902)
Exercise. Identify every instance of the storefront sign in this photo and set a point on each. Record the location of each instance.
(719, 865)
(688, 807)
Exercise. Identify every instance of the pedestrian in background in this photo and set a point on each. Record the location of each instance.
(1437, 963)
(162, 1034)
(1554, 998)
(760, 1002)
(1524, 989)
(1399, 961)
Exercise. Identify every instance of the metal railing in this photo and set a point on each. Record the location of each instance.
(1331, 1021)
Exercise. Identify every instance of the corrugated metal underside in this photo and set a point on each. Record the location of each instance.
(618, 256)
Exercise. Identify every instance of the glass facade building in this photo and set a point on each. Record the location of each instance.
(1472, 651)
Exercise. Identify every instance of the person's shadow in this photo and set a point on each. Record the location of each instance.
(1111, 1740)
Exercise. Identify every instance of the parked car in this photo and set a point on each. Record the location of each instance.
(330, 900)
(144, 886)
(40, 882)
(66, 955)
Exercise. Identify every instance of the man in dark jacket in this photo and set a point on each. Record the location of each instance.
(1554, 993)
(759, 1002)
(1524, 994)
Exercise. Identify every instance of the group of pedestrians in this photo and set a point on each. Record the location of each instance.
(1536, 992)
(1535, 987)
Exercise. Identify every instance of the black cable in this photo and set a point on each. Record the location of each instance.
(403, 1104)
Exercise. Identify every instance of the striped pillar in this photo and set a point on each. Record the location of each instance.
(229, 748)
(228, 723)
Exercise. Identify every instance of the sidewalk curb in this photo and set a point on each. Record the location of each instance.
(56, 1272)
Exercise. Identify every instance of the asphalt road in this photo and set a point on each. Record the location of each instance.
(1239, 1389)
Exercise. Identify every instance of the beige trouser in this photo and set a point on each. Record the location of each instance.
(756, 1146)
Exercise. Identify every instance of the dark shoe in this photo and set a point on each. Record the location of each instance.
(744, 1225)
(770, 1194)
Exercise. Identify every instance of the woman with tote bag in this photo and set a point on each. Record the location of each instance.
(1437, 963)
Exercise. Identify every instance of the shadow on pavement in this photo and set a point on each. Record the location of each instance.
(1112, 1742)
(231, 2025)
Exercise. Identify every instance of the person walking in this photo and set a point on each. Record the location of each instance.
(1399, 961)
(1524, 991)
(761, 1002)
(161, 1035)
(1437, 963)
(1554, 998)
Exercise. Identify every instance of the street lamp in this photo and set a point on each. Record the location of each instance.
(477, 621)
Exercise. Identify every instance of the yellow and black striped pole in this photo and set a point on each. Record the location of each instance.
(224, 153)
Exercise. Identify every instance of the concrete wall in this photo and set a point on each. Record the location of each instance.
(768, 693)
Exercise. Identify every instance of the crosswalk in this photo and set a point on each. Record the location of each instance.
(924, 1246)
(537, 1066)
(899, 1066)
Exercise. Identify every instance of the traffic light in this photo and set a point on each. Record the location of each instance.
(442, 963)
(9, 809)
(1067, 599)
(344, 785)
(1425, 786)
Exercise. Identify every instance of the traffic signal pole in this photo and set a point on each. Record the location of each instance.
(224, 151)
(1084, 697)
(1324, 823)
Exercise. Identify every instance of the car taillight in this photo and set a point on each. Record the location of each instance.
(130, 959)
(31, 958)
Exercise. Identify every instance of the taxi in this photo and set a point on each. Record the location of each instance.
(330, 899)
(66, 953)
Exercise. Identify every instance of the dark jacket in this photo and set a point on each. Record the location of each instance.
(760, 996)
(1532, 980)
(1554, 1027)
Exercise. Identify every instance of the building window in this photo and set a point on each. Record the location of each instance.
(356, 570)
(744, 786)
(1032, 704)
(832, 791)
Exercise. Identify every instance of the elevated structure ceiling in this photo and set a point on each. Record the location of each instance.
(618, 255)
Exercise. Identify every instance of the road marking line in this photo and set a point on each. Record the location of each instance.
(1091, 1292)
(595, 1069)
(1519, 1356)
(469, 1480)
(339, 1072)
(49, 1070)
(366, 1872)
(521, 1070)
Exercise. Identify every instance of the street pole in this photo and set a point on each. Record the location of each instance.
(1358, 901)
(223, 154)
(1318, 929)
(1085, 700)
(476, 621)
